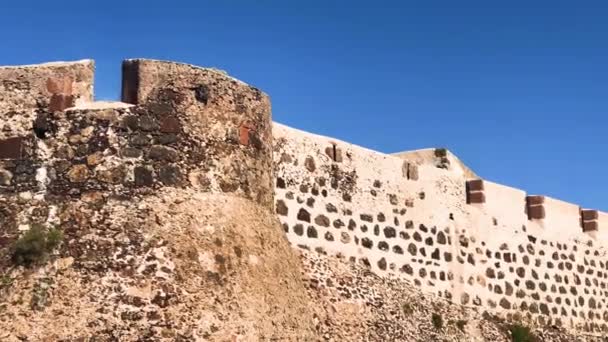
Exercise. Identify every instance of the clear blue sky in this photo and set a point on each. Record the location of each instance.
(518, 90)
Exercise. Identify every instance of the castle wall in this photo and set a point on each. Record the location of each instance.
(182, 127)
(506, 203)
(228, 137)
(344, 200)
(190, 128)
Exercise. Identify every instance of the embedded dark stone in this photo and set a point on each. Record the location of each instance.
(382, 264)
(147, 123)
(417, 237)
(311, 232)
(505, 304)
(169, 175)
(281, 208)
(309, 164)
(131, 122)
(508, 289)
(159, 152)
(411, 248)
(280, 183)
(381, 217)
(441, 238)
(530, 285)
(329, 236)
(202, 93)
(130, 152)
(397, 249)
(310, 202)
(367, 218)
(376, 230)
(390, 232)
(322, 220)
(298, 229)
(331, 208)
(338, 223)
(435, 254)
(367, 243)
(170, 124)
(165, 139)
(303, 215)
(140, 140)
(447, 256)
(143, 176)
(521, 272)
(409, 224)
(42, 125)
(383, 246)
(352, 224)
(490, 273)
(428, 241)
(407, 269)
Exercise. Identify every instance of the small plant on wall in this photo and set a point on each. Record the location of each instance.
(520, 333)
(35, 245)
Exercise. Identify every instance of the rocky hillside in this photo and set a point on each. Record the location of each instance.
(194, 267)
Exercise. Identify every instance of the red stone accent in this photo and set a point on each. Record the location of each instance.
(536, 212)
(11, 148)
(590, 226)
(170, 124)
(244, 130)
(589, 215)
(535, 200)
(476, 197)
(475, 185)
(61, 85)
(61, 102)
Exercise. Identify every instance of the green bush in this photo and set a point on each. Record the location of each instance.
(520, 333)
(35, 245)
(437, 321)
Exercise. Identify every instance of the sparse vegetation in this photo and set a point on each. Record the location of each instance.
(35, 245)
(437, 320)
(5, 281)
(407, 308)
(461, 324)
(520, 333)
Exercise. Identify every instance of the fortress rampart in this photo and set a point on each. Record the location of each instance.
(422, 216)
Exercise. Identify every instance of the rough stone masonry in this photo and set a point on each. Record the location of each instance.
(170, 202)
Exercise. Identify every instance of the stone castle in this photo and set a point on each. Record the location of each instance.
(421, 217)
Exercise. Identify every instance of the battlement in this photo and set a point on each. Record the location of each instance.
(422, 216)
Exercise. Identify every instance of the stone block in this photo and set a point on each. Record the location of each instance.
(11, 148)
(476, 197)
(589, 215)
(589, 226)
(536, 212)
(475, 185)
(535, 200)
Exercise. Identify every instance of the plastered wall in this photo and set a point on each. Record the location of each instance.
(364, 206)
